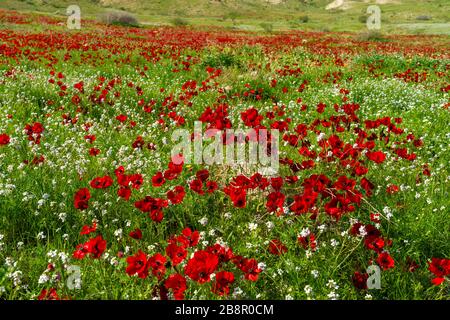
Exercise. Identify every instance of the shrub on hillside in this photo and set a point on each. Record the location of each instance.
(303, 19)
(120, 18)
(363, 18)
(371, 35)
(267, 27)
(179, 22)
(423, 18)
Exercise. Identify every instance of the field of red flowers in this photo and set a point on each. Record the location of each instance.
(93, 205)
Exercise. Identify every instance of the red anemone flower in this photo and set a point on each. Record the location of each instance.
(201, 266)
(81, 199)
(101, 182)
(222, 284)
(177, 283)
(276, 247)
(136, 234)
(4, 139)
(138, 264)
(385, 261)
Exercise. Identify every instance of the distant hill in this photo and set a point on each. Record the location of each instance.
(401, 16)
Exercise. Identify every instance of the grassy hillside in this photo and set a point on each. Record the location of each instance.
(398, 16)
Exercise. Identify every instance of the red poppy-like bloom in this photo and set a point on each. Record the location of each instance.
(176, 253)
(174, 168)
(260, 181)
(136, 181)
(345, 184)
(81, 199)
(440, 268)
(158, 179)
(276, 247)
(158, 264)
(308, 241)
(375, 217)
(90, 138)
(437, 281)
(76, 99)
(321, 107)
(95, 247)
(121, 118)
(276, 183)
(34, 132)
(50, 294)
(152, 205)
(251, 117)
(79, 86)
(237, 195)
(374, 243)
(377, 156)
(138, 143)
(360, 280)
(385, 261)
(202, 175)
(138, 264)
(119, 172)
(88, 229)
(222, 284)
(176, 195)
(223, 253)
(101, 182)
(201, 266)
(211, 186)
(196, 186)
(136, 234)
(177, 283)
(94, 152)
(124, 193)
(392, 189)
(275, 201)
(4, 139)
(188, 238)
(249, 267)
(157, 215)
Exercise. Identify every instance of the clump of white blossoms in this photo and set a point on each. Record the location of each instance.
(203, 221)
(308, 290)
(388, 212)
(252, 226)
